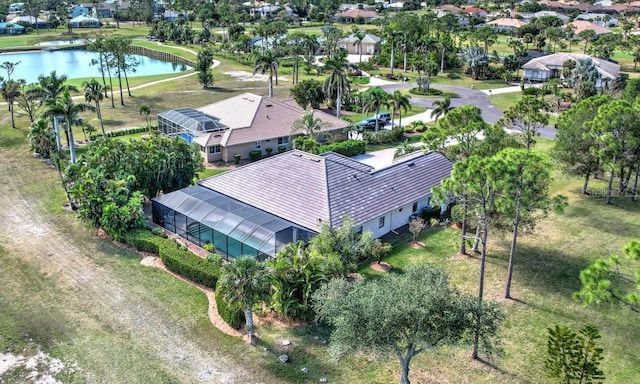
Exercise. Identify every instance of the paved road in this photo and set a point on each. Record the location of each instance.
(466, 96)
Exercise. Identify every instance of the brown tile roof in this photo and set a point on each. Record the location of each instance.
(508, 22)
(450, 8)
(583, 25)
(353, 13)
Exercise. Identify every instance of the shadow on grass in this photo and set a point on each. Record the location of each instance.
(496, 368)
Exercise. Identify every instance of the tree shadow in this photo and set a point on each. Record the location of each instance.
(502, 371)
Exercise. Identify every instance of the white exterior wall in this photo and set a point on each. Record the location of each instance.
(536, 74)
(394, 219)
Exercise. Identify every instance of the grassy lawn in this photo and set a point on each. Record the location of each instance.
(504, 101)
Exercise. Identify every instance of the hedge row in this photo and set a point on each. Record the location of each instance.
(175, 258)
(384, 137)
(347, 148)
(120, 132)
(231, 313)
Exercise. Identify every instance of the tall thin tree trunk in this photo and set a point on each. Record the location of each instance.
(404, 64)
(463, 232)
(13, 120)
(634, 192)
(586, 183)
(610, 186)
(270, 85)
(404, 364)
(392, 64)
(100, 118)
(444, 50)
(126, 80)
(248, 314)
(113, 105)
(72, 146)
(476, 241)
(339, 101)
(514, 240)
(120, 85)
(56, 128)
(483, 256)
(627, 180)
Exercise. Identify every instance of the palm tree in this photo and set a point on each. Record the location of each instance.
(336, 84)
(584, 71)
(42, 138)
(441, 107)
(373, 99)
(10, 91)
(50, 88)
(268, 61)
(93, 91)
(359, 35)
(245, 281)
(146, 111)
(66, 108)
(398, 103)
(309, 125)
(475, 58)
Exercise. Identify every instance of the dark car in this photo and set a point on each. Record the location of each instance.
(370, 123)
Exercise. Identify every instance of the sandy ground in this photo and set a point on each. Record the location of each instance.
(94, 295)
(248, 76)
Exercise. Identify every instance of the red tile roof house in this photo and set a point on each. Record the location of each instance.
(352, 15)
(241, 124)
(258, 208)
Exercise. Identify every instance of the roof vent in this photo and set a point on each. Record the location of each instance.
(411, 164)
(268, 105)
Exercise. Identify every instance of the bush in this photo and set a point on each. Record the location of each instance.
(384, 137)
(346, 148)
(159, 231)
(236, 158)
(120, 132)
(282, 148)
(420, 128)
(360, 80)
(255, 155)
(268, 150)
(422, 92)
(186, 264)
(143, 240)
(231, 313)
(430, 213)
(531, 91)
(453, 75)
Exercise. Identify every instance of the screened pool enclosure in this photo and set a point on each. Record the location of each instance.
(188, 123)
(203, 216)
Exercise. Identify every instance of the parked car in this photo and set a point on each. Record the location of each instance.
(370, 123)
(384, 116)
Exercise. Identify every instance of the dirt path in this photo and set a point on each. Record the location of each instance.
(94, 297)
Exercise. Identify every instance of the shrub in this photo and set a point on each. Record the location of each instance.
(423, 92)
(236, 158)
(421, 128)
(159, 231)
(453, 75)
(409, 129)
(215, 258)
(282, 148)
(384, 137)
(186, 264)
(231, 313)
(531, 91)
(269, 150)
(430, 213)
(120, 132)
(143, 240)
(255, 155)
(346, 148)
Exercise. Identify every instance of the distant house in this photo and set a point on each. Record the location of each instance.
(475, 11)
(171, 16)
(352, 15)
(82, 9)
(256, 209)
(560, 16)
(583, 25)
(84, 22)
(11, 29)
(600, 19)
(447, 8)
(370, 44)
(505, 24)
(240, 125)
(550, 67)
(30, 20)
(16, 8)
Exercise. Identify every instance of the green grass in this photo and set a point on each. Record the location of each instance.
(504, 101)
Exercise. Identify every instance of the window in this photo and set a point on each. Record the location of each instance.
(283, 140)
(258, 145)
(214, 149)
(202, 149)
(381, 222)
(415, 207)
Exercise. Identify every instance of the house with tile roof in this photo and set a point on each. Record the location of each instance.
(583, 25)
(370, 44)
(352, 15)
(258, 208)
(506, 24)
(240, 125)
(549, 67)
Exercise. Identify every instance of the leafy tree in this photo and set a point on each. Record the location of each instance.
(268, 62)
(10, 91)
(442, 107)
(308, 93)
(524, 196)
(574, 145)
(587, 35)
(526, 118)
(245, 280)
(632, 89)
(309, 125)
(402, 315)
(476, 180)
(67, 109)
(373, 99)
(428, 69)
(398, 102)
(574, 358)
(9, 67)
(203, 66)
(50, 88)
(29, 101)
(296, 273)
(359, 34)
(416, 226)
(486, 35)
(603, 281)
(42, 138)
(146, 111)
(476, 59)
(336, 83)
(93, 91)
(585, 71)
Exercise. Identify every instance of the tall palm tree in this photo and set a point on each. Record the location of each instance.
(93, 91)
(10, 91)
(309, 125)
(50, 88)
(245, 281)
(399, 102)
(268, 62)
(65, 107)
(336, 84)
(42, 138)
(441, 107)
(373, 99)
(359, 34)
(146, 111)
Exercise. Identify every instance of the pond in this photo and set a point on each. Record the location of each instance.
(77, 63)
(56, 43)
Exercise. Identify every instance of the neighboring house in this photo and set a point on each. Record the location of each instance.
(505, 24)
(550, 67)
(82, 9)
(447, 8)
(258, 208)
(583, 25)
(16, 8)
(351, 15)
(269, 11)
(241, 124)
(84, 22)
(560, 16)
(31, 20)
(475, 11)
(11, 29)
(370, 44)
(600, 19)
(171, 16)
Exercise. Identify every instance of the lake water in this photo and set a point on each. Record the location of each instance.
(57, 43)
(77, 63)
